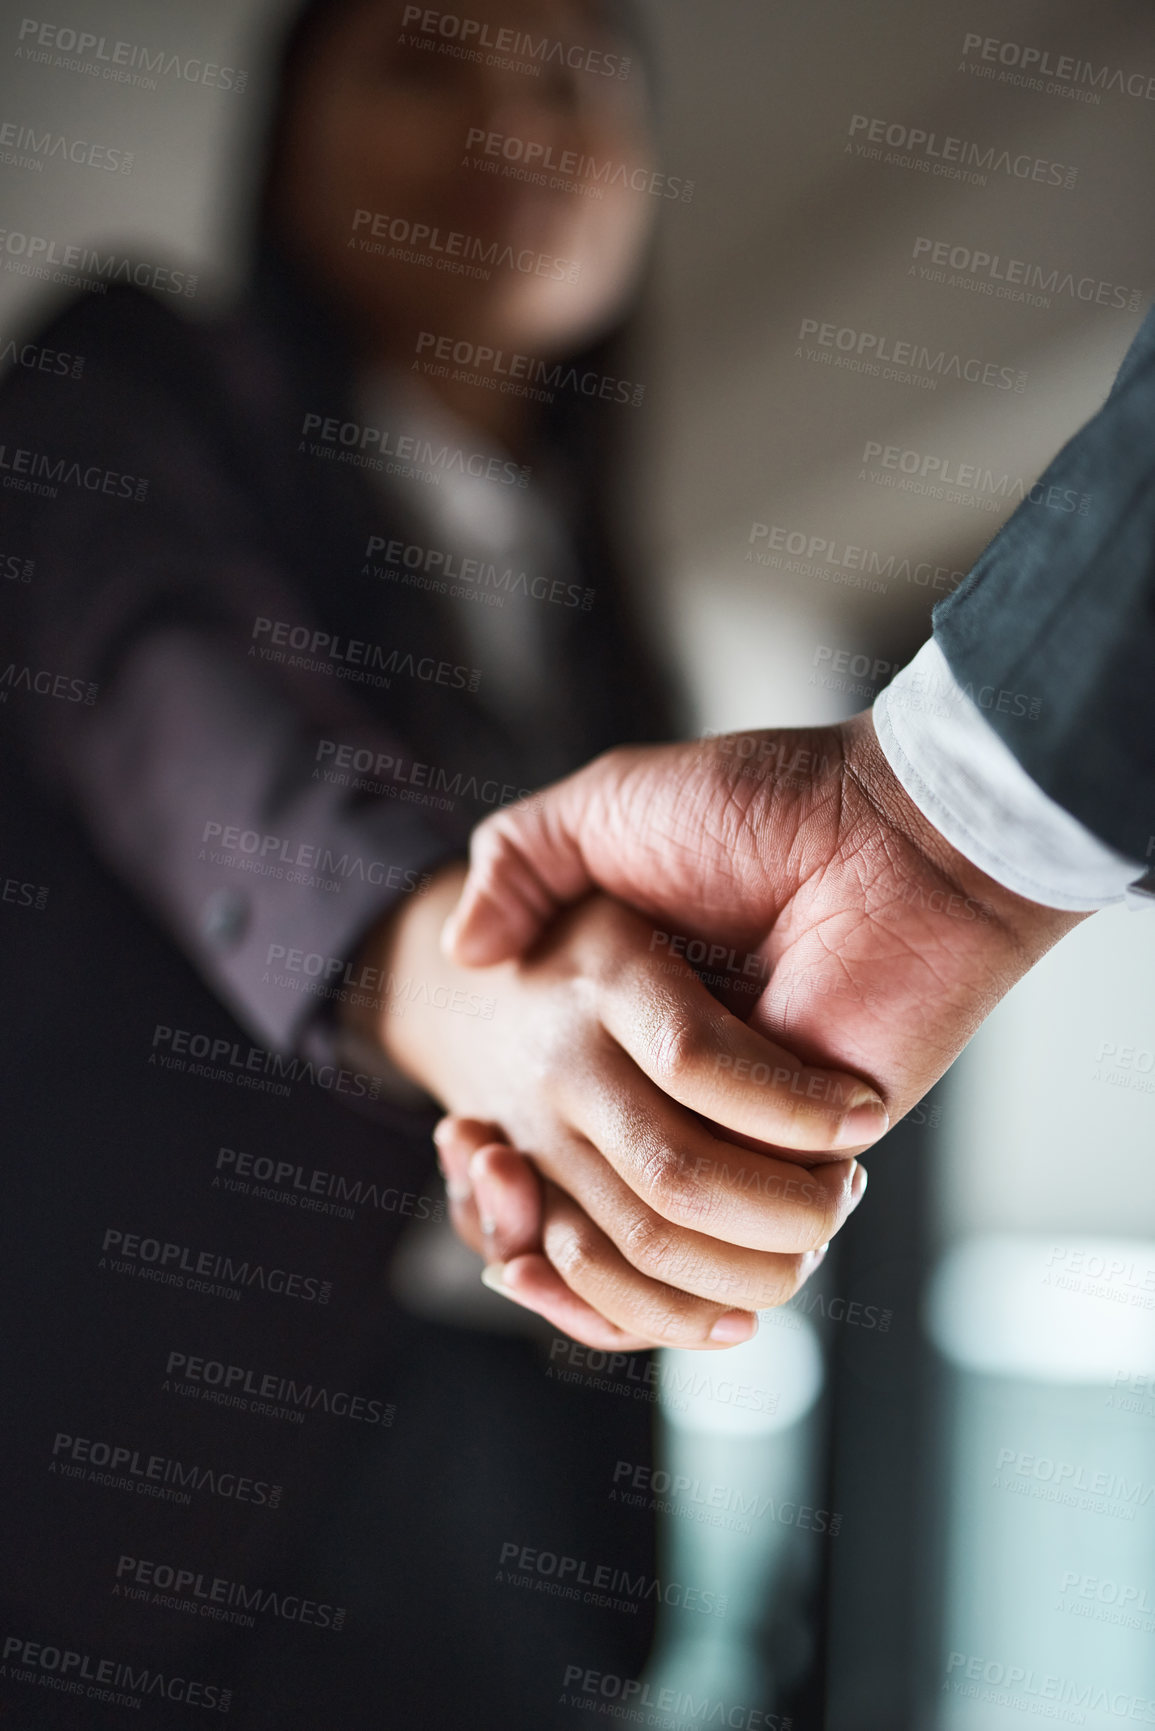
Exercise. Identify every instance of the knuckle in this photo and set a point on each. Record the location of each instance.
(790, 1277)
(680, 1320)
(669, 1190)
(827, 1215)
(677, 1052)
(646, 1244)
(571, 1248)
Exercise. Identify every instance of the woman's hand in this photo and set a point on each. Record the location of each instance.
(595, 1053)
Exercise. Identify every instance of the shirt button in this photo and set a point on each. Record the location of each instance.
(225, 918)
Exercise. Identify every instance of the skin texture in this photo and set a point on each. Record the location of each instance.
(382, 122)
(664, 1231)
(886, 948)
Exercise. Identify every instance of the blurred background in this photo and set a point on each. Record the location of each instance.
(990, 1452)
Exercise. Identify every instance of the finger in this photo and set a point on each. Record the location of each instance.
(531, 1281)
(699, 1054)
(595, 1270)
(495, 1203)
(525, 862)
(456, 1140)
(507, 1192)
(494, 1192)
(695, 1179)
(496, 1186)
(691, 1261)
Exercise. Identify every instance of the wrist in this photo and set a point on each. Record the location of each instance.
(878, 794)
(402, 954)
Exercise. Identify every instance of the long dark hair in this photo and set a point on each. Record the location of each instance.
(589, 438)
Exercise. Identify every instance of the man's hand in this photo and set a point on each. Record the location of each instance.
(667, 1233)
(885, 948)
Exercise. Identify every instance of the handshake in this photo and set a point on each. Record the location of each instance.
(646, 1157)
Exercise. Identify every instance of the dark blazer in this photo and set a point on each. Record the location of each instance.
(1058, 615)
(149, 1054)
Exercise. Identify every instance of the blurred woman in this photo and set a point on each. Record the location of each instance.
(327, 578)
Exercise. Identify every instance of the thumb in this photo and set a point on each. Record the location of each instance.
(525, 863)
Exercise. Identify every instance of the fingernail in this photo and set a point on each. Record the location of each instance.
(865, 1122)
(734, 1326)
(449, 933)
(493, 1276)
(858, 1184)
(483, 1196)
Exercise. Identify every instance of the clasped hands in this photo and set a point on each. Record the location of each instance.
(646, 1157)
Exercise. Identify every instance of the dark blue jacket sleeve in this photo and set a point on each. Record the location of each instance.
(1053, 631)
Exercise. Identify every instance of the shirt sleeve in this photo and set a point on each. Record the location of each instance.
(973, 789)
(194, 766)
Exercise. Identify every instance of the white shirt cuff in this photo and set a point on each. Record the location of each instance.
(973, 789)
